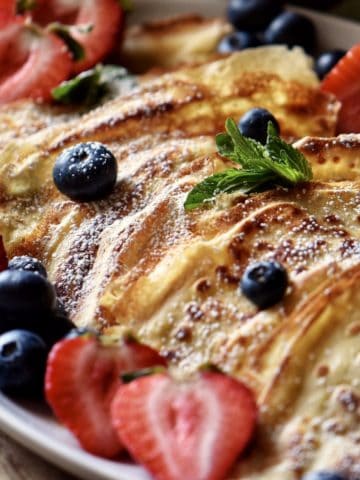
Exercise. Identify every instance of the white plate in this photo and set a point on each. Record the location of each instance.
(33, 426)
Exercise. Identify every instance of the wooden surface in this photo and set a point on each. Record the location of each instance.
(17, 463)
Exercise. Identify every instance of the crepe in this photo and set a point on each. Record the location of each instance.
(137, 261)
(171, 42)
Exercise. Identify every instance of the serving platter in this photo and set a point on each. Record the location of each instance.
(32, 425)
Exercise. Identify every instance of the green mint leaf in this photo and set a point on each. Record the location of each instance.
(263, 166)
(93, 86)
(82, 89)
(228, 181)
(290, 164)
(246, 150)
(63, 31)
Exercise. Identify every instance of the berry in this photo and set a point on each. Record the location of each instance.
(192, 430)
(105, 17)
(254, 124)
(238, 41)
(85, 172)
(292, 29)
(54, 326)
(25, 291)
(253, 15)
(343, 82)
(22, 363)
(324, 475)
(326, 61)
(264, 283)
(84, 374)
(29, 264)
(33, 62)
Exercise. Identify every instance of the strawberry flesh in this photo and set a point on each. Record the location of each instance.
(82, 377)
(33, 62)
(104, 17)
(191, 430)
(343, 82)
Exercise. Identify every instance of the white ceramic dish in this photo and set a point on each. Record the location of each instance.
(33, 426)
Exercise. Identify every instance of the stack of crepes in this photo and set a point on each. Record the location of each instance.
(138, 261)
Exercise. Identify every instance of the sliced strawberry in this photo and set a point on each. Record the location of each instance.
(343, 82)
(180, 431)
(33, 62)
(104, 17)
(3, 257)
(82, 377)
(7, 10)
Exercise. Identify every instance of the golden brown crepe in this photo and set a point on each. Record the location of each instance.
(137, 261)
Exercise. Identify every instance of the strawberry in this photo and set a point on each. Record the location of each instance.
(81, 379)
(3, 257)
(104, 17)
(33, 62)
(343, 82)
(192, 430)
(7, 10)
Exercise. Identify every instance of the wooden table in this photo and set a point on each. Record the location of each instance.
(17, 463)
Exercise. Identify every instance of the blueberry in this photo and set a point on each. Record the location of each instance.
(292, 29)
(264, 283)
(29, 264)
(85, 172)
(238, 41)
(324, 475)
(54, 326)
(22, 363)
(25, 291)
(254, 124)
(253, 15)
(326, 61)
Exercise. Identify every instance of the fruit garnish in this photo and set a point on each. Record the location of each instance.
(25, 291)
(82, 377)
(187, 430)
(104, 17)
(291, 28)
(253, 124)
(253, 15)
(263, 166)
(343, 82)
(327, 61)
(28, 264)
(7, 11)
(33, 62)
(22, 363)
(85, 172)
(264, 283)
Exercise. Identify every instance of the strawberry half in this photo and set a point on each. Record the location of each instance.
(7, 10)
(32, 62)
(3, 257)
(81, 379)
(104, 17)
(343, 82)
(180, 431)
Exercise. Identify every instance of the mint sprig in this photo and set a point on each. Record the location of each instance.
(99, 84)
(262, 166)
